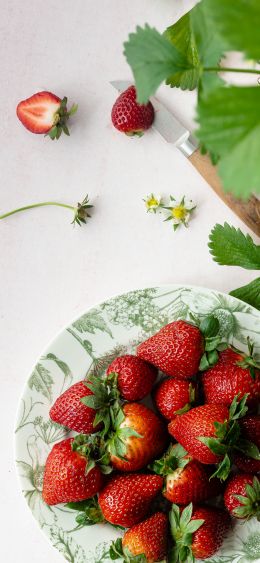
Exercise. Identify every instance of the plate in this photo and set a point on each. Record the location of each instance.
(89, 344)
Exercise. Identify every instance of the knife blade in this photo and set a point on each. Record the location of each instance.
(165, 123)
(173, 132)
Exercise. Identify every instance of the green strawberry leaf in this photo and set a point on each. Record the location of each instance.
(249, 293)
(248, 448)
(238, 409)
(230, 127)
(186, 515)
(153, 58)
(230, 247)
(223, 469)
(224, 17)
(214, 445)
(180, 34)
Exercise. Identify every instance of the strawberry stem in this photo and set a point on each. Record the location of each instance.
(80, 210)
(35, 205)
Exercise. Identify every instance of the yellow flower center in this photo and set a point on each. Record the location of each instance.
(179, 212)
(152, 202)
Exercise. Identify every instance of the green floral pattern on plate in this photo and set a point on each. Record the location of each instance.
(88, 345)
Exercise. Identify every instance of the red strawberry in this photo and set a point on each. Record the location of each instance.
(149, 538)
(198, 532)
(242, 496)
(135, 378)
(185, 480)
(211, 433)
(176, 349)
(126, 499)
(247, 464)
(199, 422)
(45, 113)
(231, 375)
(250, 429)
(69, 410)
(139, 436)
(65, 477)
(174, 396)
(130, 117)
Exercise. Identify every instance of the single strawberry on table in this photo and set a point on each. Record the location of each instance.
(130, 117)
(233, 373)
(149, 538)
(133, 377)
(242, 496)
(174, 396)
(211, 433)
(45, 113)
(126, 499)
(198, 532)
(66, 475)
(185, 479)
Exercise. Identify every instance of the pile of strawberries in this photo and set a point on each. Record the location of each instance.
(126, 467)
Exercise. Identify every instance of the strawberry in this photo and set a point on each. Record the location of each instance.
(138, 437)
(185, 479)
(45, 113)
(70, 411)
(232, 374)
(210, 433)
(133, 377)
(242, 496)
(126, 499)
(130, 117)
(197, 533)
(250, 429)
(66, 478)
(176, 349)
(247, 464)
(174, 396)
(148, 539)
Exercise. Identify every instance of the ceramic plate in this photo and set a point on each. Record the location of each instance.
(89, 344)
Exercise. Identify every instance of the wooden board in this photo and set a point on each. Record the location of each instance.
(248, 211)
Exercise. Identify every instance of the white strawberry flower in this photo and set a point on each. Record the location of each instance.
(153, 202)
(180, 211)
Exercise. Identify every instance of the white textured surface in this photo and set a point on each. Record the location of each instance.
(49, 271)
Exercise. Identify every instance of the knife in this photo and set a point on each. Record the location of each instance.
(173, 132)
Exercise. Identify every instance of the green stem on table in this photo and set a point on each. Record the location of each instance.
(227, 69)
(36, 205)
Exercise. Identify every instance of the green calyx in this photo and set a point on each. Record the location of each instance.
(105, 400)
(108, 406)
(212, 342)
(250, 503)
(137, 133)
(89, 512)
(117, 551)
(118, 437)
(182, 530)
(60, 120)
(93, 448)
(173, 459)
(227, 439)
(248, 361)
(81, 214)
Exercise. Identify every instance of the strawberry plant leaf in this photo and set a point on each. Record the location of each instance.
(180, 34)
(226, 16)
(230, 127)
(249, 293)
(230, 247)
(186, 515)
(153, 59)
(214, 445)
